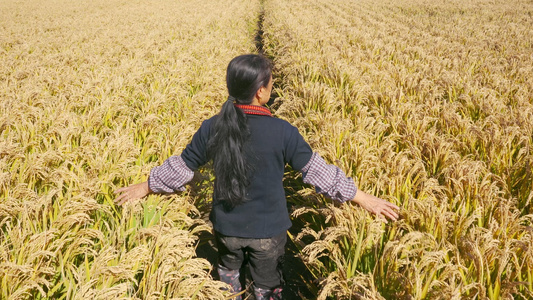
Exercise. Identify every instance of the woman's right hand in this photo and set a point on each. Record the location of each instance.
(381, 208)
(132, 192)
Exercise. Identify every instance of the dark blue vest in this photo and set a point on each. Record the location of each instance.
(274, 143)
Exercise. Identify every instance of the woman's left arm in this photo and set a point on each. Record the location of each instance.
(170, 177)
(174, 173)
(132, 192)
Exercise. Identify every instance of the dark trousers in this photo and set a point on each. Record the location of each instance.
(264, 257)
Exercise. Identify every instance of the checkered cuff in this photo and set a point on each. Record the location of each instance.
(170, 177)
(328, 180)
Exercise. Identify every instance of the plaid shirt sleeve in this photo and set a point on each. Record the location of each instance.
(171, 176)
(328, 180)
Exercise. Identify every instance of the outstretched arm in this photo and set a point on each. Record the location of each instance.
(170, 177)
(333, 183)
(132, 192)
(381, 208)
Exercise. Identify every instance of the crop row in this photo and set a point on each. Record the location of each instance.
(428, 106)
(94, 94)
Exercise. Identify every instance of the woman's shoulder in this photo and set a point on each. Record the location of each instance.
(207, 123)
(286, 125)
(272, 120)
(209, 120)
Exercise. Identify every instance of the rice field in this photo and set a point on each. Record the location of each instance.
(426, 104)
(94, 94)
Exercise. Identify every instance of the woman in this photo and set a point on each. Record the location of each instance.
(249, 149)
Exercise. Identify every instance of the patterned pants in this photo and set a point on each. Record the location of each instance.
(264, 257)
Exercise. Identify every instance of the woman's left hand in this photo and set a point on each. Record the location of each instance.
(132, 192)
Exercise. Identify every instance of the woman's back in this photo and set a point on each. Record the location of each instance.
(272, 144)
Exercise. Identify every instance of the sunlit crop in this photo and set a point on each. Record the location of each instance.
(92, 95)
(427, 104)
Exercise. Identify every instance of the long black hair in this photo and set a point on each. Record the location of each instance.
(227, 146)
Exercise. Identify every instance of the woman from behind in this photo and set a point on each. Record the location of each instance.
(249, 149)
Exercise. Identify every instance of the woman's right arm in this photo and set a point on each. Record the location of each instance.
(331, 181)
(381, 208)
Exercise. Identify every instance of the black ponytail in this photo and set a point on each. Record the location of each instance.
(227, 145)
